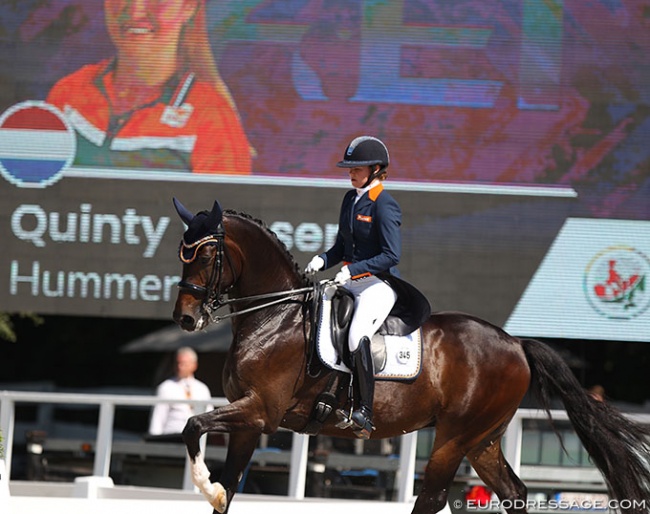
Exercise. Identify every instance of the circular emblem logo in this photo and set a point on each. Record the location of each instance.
(36, 144)
(615, 282)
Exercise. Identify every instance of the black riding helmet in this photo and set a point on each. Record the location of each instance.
(366, 151)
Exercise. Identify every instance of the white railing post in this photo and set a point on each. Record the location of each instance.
(406, 478)
(298, 467)
(512, 442)
(104, 443)
(7, 426)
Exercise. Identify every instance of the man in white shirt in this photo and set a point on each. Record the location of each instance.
(170, 418)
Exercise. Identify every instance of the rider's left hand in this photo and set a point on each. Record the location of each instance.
(342, 276)
(316, 264)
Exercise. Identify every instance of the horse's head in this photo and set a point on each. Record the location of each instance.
(208, 270)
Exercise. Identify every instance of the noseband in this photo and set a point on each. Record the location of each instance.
(212, 294)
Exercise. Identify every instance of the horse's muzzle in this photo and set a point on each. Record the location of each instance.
(185, 321)
(189, 319)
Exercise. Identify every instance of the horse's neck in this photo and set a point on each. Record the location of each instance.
(267, 266)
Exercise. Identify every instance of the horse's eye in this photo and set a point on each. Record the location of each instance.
(205, 257)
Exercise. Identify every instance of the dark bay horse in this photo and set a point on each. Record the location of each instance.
(473, 378)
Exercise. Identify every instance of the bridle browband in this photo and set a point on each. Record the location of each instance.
(212, 294)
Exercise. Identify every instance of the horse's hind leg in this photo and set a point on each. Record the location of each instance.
(494, 470)
(438, 476)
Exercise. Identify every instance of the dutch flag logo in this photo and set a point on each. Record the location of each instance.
(36, 144)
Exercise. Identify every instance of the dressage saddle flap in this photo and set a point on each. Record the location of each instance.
(341, 315)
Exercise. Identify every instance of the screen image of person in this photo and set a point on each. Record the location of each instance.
(160, 102)
(170, 418)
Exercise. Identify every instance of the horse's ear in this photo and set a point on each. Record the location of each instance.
(185, 214)
(216, 215)
(216, 209)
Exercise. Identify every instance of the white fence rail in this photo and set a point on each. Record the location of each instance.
(104, 441)
(299, 451)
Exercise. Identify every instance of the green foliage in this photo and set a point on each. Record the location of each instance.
(6, 328)
(7, 332)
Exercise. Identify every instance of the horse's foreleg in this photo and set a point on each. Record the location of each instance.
(214, 492)
(244, 423)
(241, 446)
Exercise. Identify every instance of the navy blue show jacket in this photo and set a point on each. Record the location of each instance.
(369, 237)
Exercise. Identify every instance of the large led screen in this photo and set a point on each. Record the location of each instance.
(518, 133)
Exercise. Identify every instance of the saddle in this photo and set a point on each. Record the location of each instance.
(398, 338)
(410, 311)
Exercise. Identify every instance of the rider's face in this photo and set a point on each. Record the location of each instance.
(359, 175)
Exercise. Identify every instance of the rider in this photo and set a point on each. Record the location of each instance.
(369, 244)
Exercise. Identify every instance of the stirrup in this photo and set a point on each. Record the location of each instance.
(362, 424)
(344, 419)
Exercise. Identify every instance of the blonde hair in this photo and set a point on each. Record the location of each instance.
(194, 49)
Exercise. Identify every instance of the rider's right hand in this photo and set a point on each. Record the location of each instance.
(316, 264)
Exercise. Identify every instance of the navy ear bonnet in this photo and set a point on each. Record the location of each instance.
(201, 228)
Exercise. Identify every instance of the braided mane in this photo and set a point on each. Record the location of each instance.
(274, 237)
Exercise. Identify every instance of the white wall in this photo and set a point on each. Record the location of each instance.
(39, 505)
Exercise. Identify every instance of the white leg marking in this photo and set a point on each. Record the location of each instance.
(213, 492)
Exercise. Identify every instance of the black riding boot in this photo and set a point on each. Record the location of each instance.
(365, 374)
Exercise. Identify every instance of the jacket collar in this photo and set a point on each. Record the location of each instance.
(373, 190)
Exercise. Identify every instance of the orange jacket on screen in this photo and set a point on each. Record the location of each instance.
(189, 127)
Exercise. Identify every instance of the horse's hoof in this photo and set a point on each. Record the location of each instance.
(219, 498)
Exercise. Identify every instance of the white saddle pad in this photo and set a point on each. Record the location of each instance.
(403, 353)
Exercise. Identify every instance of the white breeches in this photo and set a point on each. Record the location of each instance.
(373, 301)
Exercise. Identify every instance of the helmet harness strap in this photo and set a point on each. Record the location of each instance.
(374, 175)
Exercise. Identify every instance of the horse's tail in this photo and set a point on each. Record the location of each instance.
(619, 447)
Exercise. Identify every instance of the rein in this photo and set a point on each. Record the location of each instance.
(281, 295)
(213, 296)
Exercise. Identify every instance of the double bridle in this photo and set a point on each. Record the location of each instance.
(212, 294)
